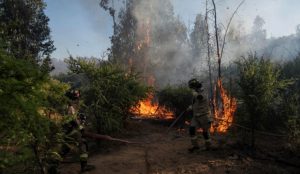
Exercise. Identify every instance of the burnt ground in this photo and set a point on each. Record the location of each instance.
(166, 153)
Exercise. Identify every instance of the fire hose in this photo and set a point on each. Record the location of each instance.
(96, 136)
(175, 121)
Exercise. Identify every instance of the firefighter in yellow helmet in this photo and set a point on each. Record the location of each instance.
(201, 115)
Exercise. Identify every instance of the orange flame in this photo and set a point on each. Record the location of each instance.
(149, 109)
(224, 109)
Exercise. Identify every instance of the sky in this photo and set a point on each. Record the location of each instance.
(82, 28)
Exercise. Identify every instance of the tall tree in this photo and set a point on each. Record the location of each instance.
(124, 38)
(25, 31)
(169, 44)
(259, 34)
(198, 37)
(149, 40)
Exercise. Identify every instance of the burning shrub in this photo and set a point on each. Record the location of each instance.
(150, 108)
(109, 92)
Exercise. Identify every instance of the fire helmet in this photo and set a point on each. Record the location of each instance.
(73, 94)
(194, 84)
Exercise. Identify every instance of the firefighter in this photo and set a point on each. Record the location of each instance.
(77, 125)
(201, 116)
(73, 129)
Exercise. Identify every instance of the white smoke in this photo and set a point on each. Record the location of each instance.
(169, 56)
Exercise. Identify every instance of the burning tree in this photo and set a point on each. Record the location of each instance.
(140, 40)
(224, 106)
(151, 40)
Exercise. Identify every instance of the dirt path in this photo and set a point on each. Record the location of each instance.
(167, 154)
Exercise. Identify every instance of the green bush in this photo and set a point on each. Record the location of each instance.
(291, 101)
(176, 98)
(24, 130)
(108, 93)
(261, 86)
(291, 110)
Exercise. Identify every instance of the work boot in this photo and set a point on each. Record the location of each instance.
(86, 167)
(193, 149)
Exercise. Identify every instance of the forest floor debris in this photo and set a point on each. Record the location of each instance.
(161, 153)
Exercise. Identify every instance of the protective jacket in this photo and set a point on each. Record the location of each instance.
(201, 111)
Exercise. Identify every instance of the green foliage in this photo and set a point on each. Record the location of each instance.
(291, 69)
(109, 92)
(125, 36)
(24, 29)
(18, 105)
(24, 131)
(27, 94)
(176, 98)
(260, 83)
(291, 110)
(261, 86)
(54, 95)
(291, 102)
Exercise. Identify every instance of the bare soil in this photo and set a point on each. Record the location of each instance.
(160, 152)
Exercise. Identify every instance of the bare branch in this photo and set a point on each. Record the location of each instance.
(226, 31)
(217, 39)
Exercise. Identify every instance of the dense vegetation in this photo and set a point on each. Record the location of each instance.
(28, 97)
(27, 92)
(33, 104)
(267, 94)
(262, 94)
(108, 92)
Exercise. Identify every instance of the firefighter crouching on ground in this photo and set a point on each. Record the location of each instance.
(201, 115)
(73, 128)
